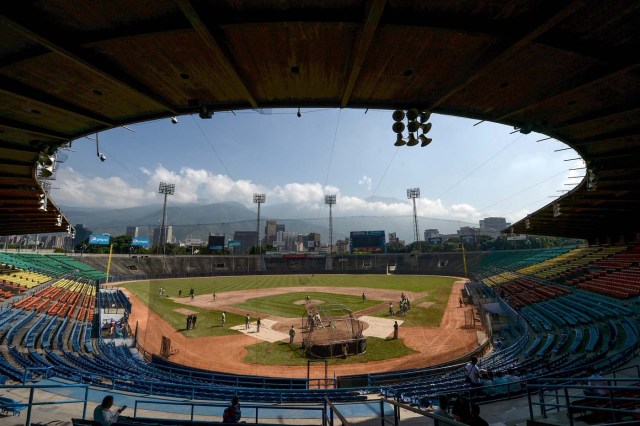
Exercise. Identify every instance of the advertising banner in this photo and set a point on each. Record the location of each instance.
(140, 241)
(99, 239)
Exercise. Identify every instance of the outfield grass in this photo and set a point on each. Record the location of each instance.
(281, 353)
(283, 305)
(208, 285)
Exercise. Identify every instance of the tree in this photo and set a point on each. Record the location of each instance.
(397, 247)
(258, 250)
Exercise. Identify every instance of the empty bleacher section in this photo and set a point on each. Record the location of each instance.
(542, 328)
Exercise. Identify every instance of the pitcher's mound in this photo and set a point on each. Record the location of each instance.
(304, 302)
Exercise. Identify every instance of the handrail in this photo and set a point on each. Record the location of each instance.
(436, 419)
(33, 388)
(560, 392)
(334, 409)
(310, 407)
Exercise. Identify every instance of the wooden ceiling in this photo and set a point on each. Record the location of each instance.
(69, 68)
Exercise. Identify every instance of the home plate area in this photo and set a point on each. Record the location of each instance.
(266, 333)
(378, 327)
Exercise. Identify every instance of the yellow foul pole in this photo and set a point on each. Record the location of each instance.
(464, 262)
(111, 252)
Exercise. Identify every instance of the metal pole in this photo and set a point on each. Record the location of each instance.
(415, 224)
(330, 229)
(164, 217)
(258, 242)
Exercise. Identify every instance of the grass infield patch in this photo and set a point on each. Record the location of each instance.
(423, 317)
(281, 353)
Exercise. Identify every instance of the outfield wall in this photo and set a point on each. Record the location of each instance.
(124, 267)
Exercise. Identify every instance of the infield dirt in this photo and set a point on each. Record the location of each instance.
(433, 345)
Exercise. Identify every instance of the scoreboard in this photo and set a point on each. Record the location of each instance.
(368, 241)
(216, 242)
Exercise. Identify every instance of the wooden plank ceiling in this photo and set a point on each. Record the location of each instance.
(69, 68)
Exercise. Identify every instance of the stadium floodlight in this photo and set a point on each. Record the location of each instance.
(330, 200)
(258, 199)
(100, 155)
(46, 160)
(42, 202)
(204, 112)
(413, 193)
(166, 189)
(592, 180)
(47, 171)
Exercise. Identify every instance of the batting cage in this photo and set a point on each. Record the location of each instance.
(332, 331)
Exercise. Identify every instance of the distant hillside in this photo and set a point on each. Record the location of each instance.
(198, 221)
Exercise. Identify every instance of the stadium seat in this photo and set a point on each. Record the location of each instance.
(11, 406)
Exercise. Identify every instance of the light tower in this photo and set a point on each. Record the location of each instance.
(331, 200)
(414, 193)
(166, 189)
(259, 199)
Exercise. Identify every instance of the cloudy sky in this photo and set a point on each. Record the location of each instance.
(467, 173)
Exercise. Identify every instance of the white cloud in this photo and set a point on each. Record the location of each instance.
(202, 186)
(77, 190)
(366, 181)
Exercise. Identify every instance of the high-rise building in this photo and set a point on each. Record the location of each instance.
(132, 231)
(342, 246)
(287, 240)
(247, 240)
(431, 233)
(468, 231)
(312, 241)
(270, 232)
(493, 225)
(168, 237)
(82, 234)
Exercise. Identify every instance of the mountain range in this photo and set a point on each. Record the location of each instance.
(198, 221)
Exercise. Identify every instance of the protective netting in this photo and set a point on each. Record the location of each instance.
(332, 331)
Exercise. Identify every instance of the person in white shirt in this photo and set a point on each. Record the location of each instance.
(594, 383)
(103, 414)
(473, 372)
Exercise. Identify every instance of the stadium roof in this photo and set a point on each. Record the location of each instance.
(69, 68)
